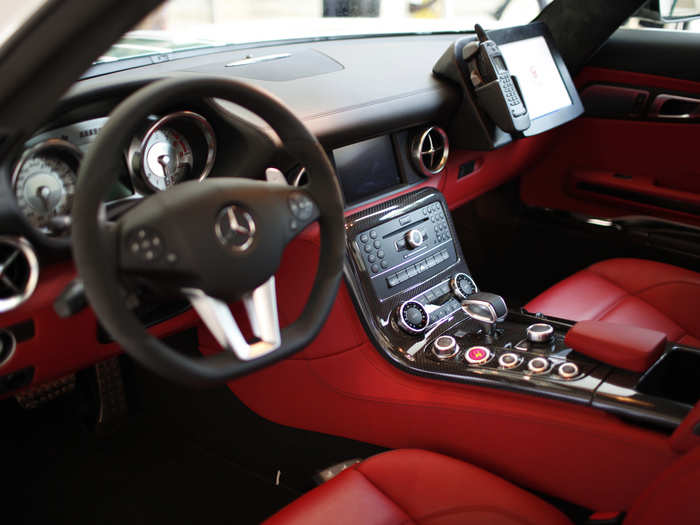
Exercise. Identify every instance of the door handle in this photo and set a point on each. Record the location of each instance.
(675, 107)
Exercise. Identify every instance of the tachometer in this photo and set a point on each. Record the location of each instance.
(44, 184)
(177, 147)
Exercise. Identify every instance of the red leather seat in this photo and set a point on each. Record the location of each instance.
(418, 487)
(635, 292)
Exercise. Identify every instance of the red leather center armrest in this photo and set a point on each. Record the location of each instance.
(623, 346)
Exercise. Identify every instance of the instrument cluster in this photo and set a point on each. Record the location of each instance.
(167, 150)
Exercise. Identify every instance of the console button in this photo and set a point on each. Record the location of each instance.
(445, 347)
(375, 268)
(509, 360)
(392, 280)
(384, 264)
(538, 365)
(373, 234)
(411, 271)
(477, 355)
(568, 370)
(364, 238)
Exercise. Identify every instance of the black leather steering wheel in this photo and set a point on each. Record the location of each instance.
(215, 241)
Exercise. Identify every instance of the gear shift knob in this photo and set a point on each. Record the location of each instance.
(486, 308)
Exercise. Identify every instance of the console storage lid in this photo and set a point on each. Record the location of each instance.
(623, 346)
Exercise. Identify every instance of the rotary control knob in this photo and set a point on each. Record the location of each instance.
(414, 238)
(445, 347)
(462, 285)
(539, 333)
(412, 317)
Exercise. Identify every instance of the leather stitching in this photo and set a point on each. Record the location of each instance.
(410, 519)
(628, 293)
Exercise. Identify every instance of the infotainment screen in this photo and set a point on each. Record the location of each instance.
(366, 168)
(540, 82)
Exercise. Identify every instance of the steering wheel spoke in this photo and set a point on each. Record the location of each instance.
(261, 306)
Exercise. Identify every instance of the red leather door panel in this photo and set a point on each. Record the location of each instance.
(606, 167)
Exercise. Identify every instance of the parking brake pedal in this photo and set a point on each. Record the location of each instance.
(329, 473)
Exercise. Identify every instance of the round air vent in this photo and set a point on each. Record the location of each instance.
(19, 272)
(429, 151)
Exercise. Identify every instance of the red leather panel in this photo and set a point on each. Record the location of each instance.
(62, 346)
(359, 395)
(635, 292)
(623, 346)
(684, 437)
(673, 497)
(628, 147)
(415, 486)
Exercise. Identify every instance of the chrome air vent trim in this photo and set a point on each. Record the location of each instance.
(429, 151)
(19, 272)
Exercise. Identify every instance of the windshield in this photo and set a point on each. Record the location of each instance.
(192, 24)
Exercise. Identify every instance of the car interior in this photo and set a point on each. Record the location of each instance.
(432, 277)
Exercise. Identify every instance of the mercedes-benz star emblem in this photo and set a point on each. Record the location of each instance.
(235, 228)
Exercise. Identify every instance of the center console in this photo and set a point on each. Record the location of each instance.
(425, 313)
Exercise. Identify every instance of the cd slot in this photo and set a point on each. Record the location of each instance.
(407, 227)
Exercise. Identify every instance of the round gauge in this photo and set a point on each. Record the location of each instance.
(44, 185)
(175, 148)
(167, 159)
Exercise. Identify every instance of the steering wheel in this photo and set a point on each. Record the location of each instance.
(215, 241)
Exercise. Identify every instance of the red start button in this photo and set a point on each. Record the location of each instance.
(477, 355)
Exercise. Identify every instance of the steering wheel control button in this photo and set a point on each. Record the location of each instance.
(414, 238)
(235, 228)
(539, 333)
(568, 370)
(509, 360)
(412, 317)
(477, 355)
(145, 244)
(445, 347)
(538, 365)
(462, 285)
(301, 206)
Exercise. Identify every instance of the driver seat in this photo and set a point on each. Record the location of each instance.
(408, 486)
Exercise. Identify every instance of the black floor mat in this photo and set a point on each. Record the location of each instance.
(183, 456)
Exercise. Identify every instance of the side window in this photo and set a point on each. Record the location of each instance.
(672, 15)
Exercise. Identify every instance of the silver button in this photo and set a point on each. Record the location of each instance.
(538, 365)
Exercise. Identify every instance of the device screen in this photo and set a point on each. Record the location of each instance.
(366, 168)
(541, 84)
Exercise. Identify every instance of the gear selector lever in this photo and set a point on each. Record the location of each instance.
(486, 308)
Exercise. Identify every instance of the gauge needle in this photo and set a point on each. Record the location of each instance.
(44, 192)
(164, 160)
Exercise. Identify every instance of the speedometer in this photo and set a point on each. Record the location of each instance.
(175, 148)
(44, 185)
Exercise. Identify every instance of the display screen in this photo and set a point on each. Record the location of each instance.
(542, 86)
(366, 168)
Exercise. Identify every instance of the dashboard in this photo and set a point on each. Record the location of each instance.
(385, 138)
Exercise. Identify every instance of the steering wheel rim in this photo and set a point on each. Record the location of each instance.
(99, 250)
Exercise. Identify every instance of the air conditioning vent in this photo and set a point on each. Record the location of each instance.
(429, 151)
(19, 272)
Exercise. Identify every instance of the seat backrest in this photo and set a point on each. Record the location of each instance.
(673, 497)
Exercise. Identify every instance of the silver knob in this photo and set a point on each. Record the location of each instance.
(509, 360)
(414, 238)
(412, 317)
(538, 365)
(445, 347)
(462, 285)
(568, 370)
(539, 333)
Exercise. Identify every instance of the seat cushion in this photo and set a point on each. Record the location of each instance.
(635, 292)
(416, 486)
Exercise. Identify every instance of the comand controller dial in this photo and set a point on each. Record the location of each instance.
(414, 238)
(462, 285)
(412, 317)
